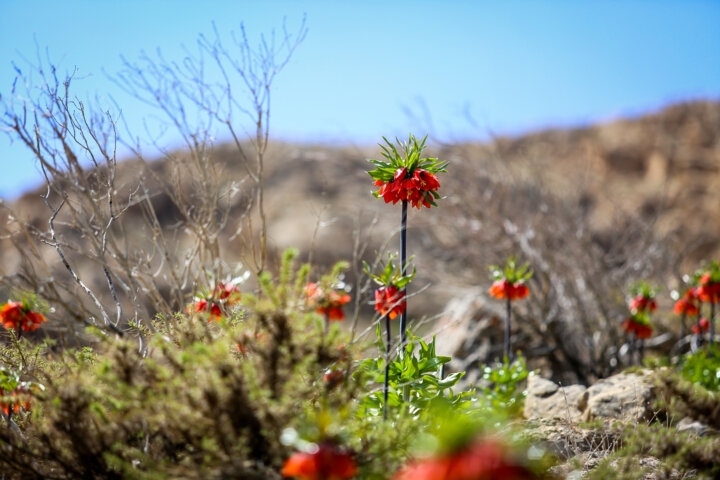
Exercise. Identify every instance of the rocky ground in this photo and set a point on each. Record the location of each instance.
(584, 425)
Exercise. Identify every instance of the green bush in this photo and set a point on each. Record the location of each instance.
(703, 368)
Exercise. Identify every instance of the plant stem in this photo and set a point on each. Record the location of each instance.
(712, 323)
(327, 323)
(507, 331)
(641, 350)
(387, 366)
(403, 261)
(684, 327)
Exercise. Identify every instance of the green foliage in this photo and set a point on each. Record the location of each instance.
(390, 274)
(644, 289)
(502, 385)
(511, 272)
(186, 403)
(413, 380)
(703, 368)
(406, 154)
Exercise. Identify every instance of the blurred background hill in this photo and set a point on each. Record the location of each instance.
(660, 170)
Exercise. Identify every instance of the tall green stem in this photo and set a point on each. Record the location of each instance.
(387, 366)
(507, 331)
(403, 261)
(712, 322)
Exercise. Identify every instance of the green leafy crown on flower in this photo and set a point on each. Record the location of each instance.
(640, 316)
(390, 274)
(511, 272)
(644, 289)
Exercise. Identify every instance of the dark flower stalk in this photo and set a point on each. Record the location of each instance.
(403, 262)
(390, 303)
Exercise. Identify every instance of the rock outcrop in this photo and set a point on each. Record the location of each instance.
(626, 397)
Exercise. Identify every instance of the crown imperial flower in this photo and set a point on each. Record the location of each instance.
(405, 176)
(390, 301)
(687, 304)
(702, 326)
(639, 327)
(509, 282)
(325, 462)
(483, 459)
(328, 304)
(19, 316)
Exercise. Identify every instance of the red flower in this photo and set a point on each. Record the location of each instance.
(504, 289)
(414, 189)
(329, 304)
(709, 291)
(390, 300)
(14, 406)
(328, 462)
(642, 303)
(641, 330)
(17, 315)
(483, 460)
(201, 306)
(226, 294)
(701, 326)
(425, 180)
(688, 303)
(225, 291)
(333, 377)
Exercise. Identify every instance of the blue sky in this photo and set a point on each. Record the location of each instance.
(514, 66)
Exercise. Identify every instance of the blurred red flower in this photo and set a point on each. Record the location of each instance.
(329, 304)
(688, 303)
(201, 306)
(390, 300)
(702, 326)
(333, 377)
(504, 289)
(709, 291)
(483, 460)
(225, 291)
(642, 303)
(328, 462)
(17, 315)
(16, 405)
(225, 294)
(641, 330)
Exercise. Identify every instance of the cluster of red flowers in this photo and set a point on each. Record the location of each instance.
(15, 406)
(641, 305)
(18, 315)
(484, 459)
(390, 300)
(702, 326)
(225, 294)
(505, 289)
(709, 290)
(688, 304)
(328, 304)
(640, 329)
(324, 462)
(414, 188)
